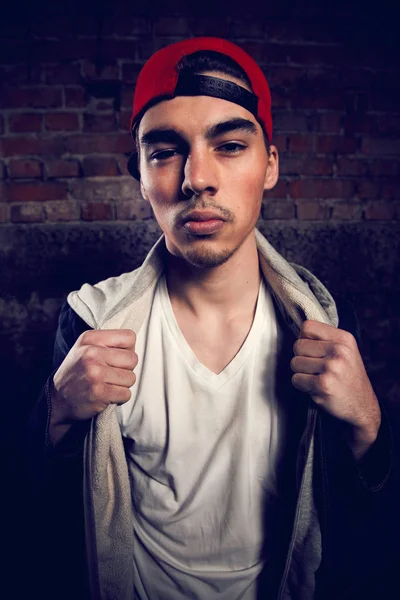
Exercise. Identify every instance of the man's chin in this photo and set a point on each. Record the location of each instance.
(204, 257)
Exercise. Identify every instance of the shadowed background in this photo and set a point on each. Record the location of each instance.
(69, 212)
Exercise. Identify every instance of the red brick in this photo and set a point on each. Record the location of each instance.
(24, 122)
(357, 123)
(62, 168)
(98, 124)
(127, 97)
(27, 213)
(4, 213)
(318, 99)
(131, 210)
(24, 169)
(388, 123)
(380, 211)
(285, 121)
(65, 210)
(74, 97)
(336, 144)
(36, 192)
(97, 211)
(172, 26)
(281, 98)
(257, 51)
(92, 72)
(24, 146)
(368, 190)
(279, 191)
(105, 104)
(281, 142)
(63, 74)
(315, 165)
(380, 146)
(312, 211)
(33, 97)
(61, 121)
(102, 144)
(278, 209)
(125, 120)
(2, 170)
(100, 166)
(356, 167)
(345, 211)
(330, 122)
(291, 165)
(322, 188)
(1, 125)
(384, 168)
(285, 76)
(301, 143)
(390, 191)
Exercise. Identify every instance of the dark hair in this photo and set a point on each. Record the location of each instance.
(210, 60)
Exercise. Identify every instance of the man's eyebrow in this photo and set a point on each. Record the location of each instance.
(171, 136)
(160, 134)
(238, 124)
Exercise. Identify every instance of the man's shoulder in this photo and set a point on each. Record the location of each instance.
(96, 303)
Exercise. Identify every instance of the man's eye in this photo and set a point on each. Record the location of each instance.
(232, 147)
(163, 154)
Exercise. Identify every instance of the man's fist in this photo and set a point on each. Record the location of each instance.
(327, 365)
(97, 371)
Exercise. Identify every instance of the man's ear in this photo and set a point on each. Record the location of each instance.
(143, 191)
(272, 173)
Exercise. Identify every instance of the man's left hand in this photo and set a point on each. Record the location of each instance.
(328, 365)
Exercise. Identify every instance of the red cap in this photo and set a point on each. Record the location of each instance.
(158, 78)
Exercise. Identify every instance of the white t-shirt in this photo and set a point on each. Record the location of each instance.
(202, 451)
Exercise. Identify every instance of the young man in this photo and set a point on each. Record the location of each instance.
(233, 444)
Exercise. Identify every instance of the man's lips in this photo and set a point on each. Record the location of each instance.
(203, 222)
(202, 215)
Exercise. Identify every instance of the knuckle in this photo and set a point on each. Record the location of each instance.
(93, 371)
(85, 338)
(89, 353)
(325, 382)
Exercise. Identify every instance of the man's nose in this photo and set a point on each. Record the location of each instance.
(200, 173)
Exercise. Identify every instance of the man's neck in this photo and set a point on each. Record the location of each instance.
(218, 293)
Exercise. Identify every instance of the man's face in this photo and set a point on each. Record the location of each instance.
(204, 159)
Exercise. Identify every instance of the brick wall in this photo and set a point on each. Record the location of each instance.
(66, 90)
(70, 213)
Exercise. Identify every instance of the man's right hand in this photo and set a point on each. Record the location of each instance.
(97, 371)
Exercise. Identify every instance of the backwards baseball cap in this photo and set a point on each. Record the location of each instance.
(160, 79)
